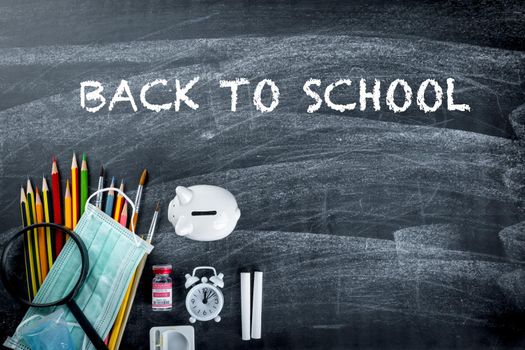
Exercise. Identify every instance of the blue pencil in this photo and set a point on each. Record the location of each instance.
(110, 199)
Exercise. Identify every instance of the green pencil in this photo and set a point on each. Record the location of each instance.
(83, 184)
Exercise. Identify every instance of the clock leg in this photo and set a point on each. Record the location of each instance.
(192, 320)
(217, 319)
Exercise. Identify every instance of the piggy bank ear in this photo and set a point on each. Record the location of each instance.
(184, 194)
(183, 226)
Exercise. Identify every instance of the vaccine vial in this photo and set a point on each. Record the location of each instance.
(162, 289)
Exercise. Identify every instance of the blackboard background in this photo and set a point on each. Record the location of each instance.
(374, 230)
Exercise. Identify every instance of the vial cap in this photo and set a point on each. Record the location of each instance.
(162, 269)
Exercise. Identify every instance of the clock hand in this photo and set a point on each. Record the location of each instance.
(205, 300)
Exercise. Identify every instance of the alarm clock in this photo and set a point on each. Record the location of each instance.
(204, 300)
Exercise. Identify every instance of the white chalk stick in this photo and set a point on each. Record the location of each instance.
(245, 304)
(257, 304)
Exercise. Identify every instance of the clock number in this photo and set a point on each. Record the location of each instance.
(204, 313)
(193, 301)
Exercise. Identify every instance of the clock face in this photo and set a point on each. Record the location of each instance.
(204, 301)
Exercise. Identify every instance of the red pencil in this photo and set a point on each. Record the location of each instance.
(57, 207)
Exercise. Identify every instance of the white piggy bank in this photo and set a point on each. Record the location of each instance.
(203, 212)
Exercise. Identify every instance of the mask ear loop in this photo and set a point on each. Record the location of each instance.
(26, 321)
(107, 189)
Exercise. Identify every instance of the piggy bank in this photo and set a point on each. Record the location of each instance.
(203, 212)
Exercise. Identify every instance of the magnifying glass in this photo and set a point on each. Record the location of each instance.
(15, 289)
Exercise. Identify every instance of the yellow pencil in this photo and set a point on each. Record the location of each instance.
(74, 192)
(31, 219)
(47, 218)
(118, 203)
(42, 246)
(28, 248)
(120, 317)
(68, 221)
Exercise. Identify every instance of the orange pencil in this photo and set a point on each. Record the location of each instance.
(68, 221)
(118, 204)
(74, 192)
(42, 248)
(123, 220)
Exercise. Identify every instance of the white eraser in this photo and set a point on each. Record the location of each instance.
(245, 304)
(257, 304)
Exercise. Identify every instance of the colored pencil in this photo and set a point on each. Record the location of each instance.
(57, 205)
(118, 203)
(98, 200)
(28, 252)
(51, 254)
(84, 178)
(74, 191)
(122, 317)
(42, 246)
(32, 220)
(110, 200)
(123, 220)
(68, 215)
(138, 197)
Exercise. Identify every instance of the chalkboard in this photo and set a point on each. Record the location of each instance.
(374, 229)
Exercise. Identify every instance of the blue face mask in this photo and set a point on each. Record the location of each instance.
(114, 254)
(46, 332)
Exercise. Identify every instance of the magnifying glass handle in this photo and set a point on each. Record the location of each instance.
(87, 327)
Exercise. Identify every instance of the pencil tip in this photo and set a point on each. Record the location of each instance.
(101, 171)
(84, 157)
(157, 208)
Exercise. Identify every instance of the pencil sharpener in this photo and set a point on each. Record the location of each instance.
(203, 212)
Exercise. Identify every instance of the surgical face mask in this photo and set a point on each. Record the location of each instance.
(46, 332)
(114, 254)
